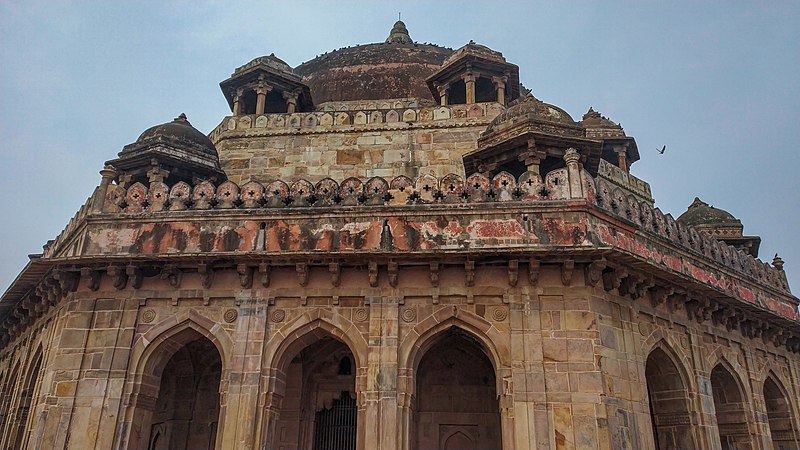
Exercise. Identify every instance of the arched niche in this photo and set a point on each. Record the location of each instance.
(668, 400)
(455, 403)
(731, 409)
(176, 400)
(313, 393)
(779, 413)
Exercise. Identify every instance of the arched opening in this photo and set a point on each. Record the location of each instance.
(455, 405)
(669, 402)
(731, 410)
(779, 414)
(274, 102)
(485, 90)
(179, 404)
(248, 102)
(457, 93)
(6, 415)
(26, 400)
(318, 409)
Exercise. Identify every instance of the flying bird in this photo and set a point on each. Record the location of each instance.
(663, 149)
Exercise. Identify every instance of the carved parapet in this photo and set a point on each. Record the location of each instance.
(643, 216)
(376, 191)
(336, 115)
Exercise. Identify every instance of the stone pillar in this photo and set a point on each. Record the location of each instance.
(291, 101)
(261, 96)
(108, 174)
(572, 157)
(237, 102)
(622, 155)
(500, 85)
(381, 409)
(442, 88)
(469, 81)
(533, 157)
(239, 385)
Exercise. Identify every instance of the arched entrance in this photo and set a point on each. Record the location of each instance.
(731, 410)
(177, 404)
(669, 402)
(781, 423)
(26, 401)
(455, 406)
(315, 395)
(6, 413)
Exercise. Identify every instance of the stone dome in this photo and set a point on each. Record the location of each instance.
(702, 215)
(180, 132)
(396, 68)
(530, 109)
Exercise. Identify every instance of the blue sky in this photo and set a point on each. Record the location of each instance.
(714, 81)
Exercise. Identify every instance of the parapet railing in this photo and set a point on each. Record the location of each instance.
(377, 113)
(569, 183)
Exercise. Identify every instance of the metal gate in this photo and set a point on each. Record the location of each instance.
(335, 428)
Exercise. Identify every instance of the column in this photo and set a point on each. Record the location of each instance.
(442, 88)
(237, 102)
(261, 100)
(574, 173)
(500, 85)
(291, 101)
(622, 154)
(469, 81)
(108, 173)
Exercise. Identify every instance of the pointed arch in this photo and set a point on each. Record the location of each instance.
(731, 405)
(175, 332)
(302, 364)
(782, 420)
(308, 328)
(30, 382)
(422, 336)
(669, 399)
(187, 339)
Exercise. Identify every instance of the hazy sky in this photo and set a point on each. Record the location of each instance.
(716, 82)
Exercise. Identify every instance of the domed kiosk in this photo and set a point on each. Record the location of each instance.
(172, 151)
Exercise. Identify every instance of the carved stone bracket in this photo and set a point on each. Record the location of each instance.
(393, 274)
(263, 269)
(245, 275)
(118, 276)
(171, 273)
(434, 273)
(134, 276)
(206, 272)
(567, 267)
(660, 294)
(302, 273)
(533, 271)
(513, 272)
(335, 272)
(612, 279)
(594, 271)
(92, 278)
(469, 273)
(373, 273)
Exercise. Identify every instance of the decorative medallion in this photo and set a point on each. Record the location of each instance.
(644, 328)
(409, 315)
(684, 342)
(230, 315)
(278, 315)
(148, 315)
(360, 315)
(499, 314)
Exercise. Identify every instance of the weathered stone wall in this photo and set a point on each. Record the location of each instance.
(569, 358)
(351, 139)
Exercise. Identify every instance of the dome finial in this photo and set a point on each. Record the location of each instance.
(399, 34)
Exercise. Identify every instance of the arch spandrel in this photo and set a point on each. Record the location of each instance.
(293, 336)
(176, 331)
(416, 341)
